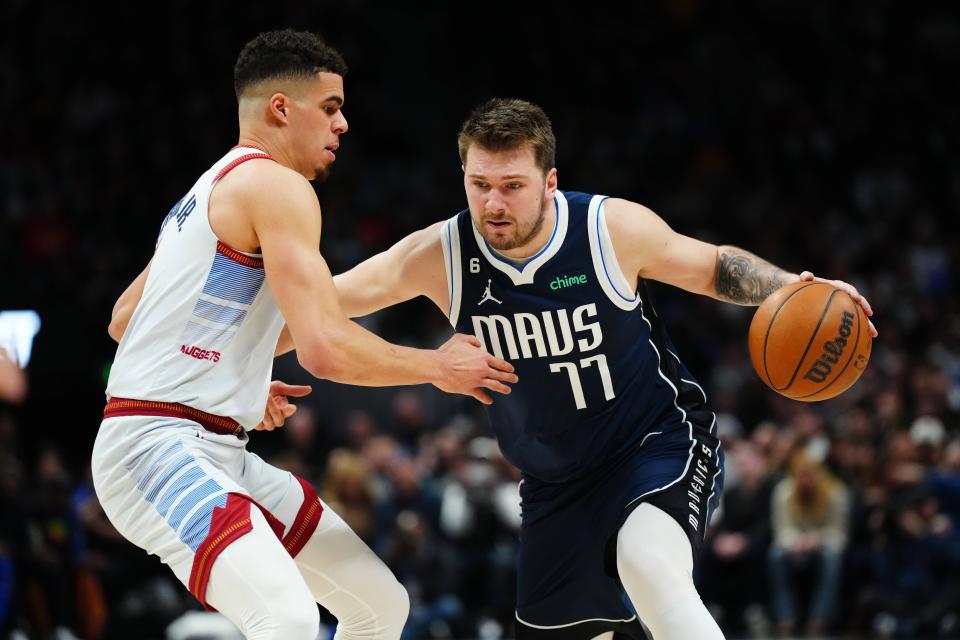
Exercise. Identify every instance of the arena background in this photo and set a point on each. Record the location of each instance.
(819, 135)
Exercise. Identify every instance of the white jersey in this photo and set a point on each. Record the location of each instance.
(205, 330)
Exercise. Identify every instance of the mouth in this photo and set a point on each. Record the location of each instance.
(331, 149)
(498, 225)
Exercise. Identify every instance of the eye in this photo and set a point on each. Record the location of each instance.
(514, 186)
(330, 109)
(480, 184)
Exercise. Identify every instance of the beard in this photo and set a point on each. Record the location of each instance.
(521, 235)
(320, 174)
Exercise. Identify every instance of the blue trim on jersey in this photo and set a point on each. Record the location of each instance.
(556, 225)
(229, 280)
(604, 262)
(450, 252)
(219, 313)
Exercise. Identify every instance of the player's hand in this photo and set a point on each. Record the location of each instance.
(807, 276)
(467, 369)
(278, 406)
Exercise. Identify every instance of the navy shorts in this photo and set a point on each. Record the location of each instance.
(567, 582)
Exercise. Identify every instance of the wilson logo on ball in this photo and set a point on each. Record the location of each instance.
(809, 341)
(832, 350)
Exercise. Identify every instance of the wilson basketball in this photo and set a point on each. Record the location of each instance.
(810, 341)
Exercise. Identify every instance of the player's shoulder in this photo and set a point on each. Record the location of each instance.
(616, 212)
(418, 261)
(628, 216)
(263, 187)
(262, 175)
(426, 242)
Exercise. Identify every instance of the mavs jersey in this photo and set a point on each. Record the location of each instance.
(206, 328)
(598, 373)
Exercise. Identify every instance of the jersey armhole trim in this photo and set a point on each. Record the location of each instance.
(450, 242)
(605, 263)
(254, 260)
(236, 162)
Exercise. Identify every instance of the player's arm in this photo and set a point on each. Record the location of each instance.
(647, 247)
(286, 220)
(126, 304)
(410, 268)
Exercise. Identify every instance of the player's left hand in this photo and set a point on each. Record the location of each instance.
(808, 276)
(278, 407)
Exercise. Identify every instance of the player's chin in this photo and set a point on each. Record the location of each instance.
(320, 174)
(501, 242)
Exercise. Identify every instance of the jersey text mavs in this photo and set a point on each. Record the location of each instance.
(598, 374)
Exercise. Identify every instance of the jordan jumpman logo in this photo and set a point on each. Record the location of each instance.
(487, 295)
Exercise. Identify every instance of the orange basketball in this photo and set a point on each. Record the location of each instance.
(810, 341)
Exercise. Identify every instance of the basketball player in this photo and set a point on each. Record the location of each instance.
(238, 257)
(618, 448)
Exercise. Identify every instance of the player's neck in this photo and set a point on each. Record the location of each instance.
(540, 240)
(251, 138)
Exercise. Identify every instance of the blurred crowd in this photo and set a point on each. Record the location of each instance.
(821, 136)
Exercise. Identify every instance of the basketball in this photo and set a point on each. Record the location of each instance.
(809, 341)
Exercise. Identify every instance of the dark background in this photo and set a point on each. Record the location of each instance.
(819, 135)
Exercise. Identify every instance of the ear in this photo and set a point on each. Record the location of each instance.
(277, 107)
(552, 181)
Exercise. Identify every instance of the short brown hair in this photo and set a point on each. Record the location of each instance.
(285, 54)
(500, 124)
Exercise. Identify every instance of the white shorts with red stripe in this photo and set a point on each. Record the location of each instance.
(184, 493)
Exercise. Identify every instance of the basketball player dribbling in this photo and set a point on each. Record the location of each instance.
(617, 444)
(237, 259)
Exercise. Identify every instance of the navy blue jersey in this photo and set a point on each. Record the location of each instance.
(598, 373)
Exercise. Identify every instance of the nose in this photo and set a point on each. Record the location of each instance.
(495, 202)
(340, 125)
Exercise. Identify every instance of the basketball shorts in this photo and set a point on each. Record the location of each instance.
(183, 493)
(567, 582)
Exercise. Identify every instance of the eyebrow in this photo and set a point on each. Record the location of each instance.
(510, 177)
(336, 99)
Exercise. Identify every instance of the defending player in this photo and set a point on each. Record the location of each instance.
(621, 464)
(236, 258)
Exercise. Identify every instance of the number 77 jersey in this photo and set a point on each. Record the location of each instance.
(598, 373)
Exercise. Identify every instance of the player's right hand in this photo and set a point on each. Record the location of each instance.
(464, 367)
(807, 276)
(278, 407)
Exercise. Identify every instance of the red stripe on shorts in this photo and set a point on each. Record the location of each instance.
(226, 525)
(308, 517)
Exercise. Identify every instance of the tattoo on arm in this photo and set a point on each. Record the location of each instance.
(743, 278)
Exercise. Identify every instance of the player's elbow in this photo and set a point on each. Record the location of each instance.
(116, 329)
(316, 365)
(323, 360)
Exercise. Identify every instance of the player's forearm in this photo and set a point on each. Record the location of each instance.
(349, 354)
(361, 294)
(743, 278)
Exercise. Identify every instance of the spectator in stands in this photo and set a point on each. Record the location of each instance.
(810, 522)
